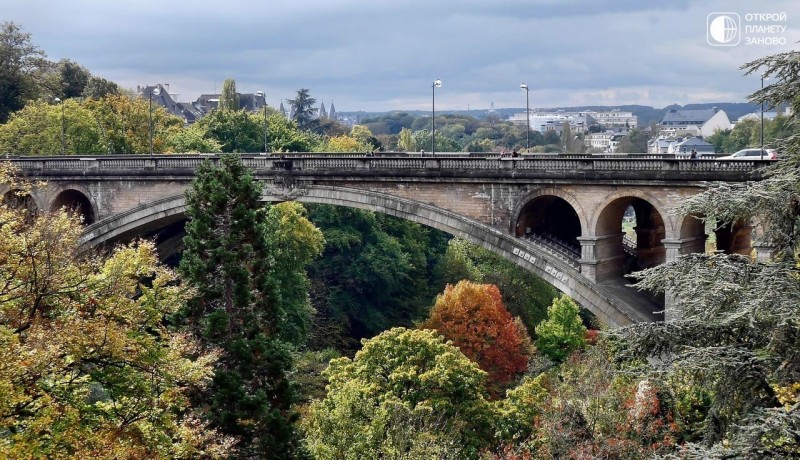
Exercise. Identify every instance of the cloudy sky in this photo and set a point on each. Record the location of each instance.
(380, 55)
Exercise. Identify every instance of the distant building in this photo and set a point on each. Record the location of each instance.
(606, 141)
(685, 146)
(579, 122)
(615, 119)
(703, 122)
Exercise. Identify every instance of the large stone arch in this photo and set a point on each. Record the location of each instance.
(609, 309)
(550, 216)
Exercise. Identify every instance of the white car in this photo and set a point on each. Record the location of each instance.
(752, 154)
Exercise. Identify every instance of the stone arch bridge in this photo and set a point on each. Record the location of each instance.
(560, 217)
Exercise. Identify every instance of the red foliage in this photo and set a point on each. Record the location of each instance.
(592, 335)
(473, 317)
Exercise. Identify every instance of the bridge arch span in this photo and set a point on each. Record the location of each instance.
(609, 309)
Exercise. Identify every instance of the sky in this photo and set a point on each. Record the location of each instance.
(382, 55)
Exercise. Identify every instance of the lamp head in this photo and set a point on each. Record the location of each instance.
(57, 100)
(156, 91)
(524, 86)
(437, 83)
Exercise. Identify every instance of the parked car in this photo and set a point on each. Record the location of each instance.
(752, 154)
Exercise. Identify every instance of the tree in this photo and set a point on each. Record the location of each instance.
(37, 128)
(88, 368)
(473, 317)
(406, 142)
(284, 135)
(377, 271)
(239, 309)
(566, 137)
(735, 324)
(524, 294)
(191, 139)
(229, 99)
(634, 142)
(303, 109)
(551, 137)
(405, 394)
(562, 332)
(98, 88)
(72, 77)
(22, 66)
(235, 130)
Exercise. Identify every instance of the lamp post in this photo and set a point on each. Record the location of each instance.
(762, 116)
(265, 126)
(63, 127)
(153, 91)
(528, 117)
(436, 84)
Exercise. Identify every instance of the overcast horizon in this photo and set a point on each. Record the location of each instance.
(382, 56)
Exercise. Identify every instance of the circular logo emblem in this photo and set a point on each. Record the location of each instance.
(723, 29)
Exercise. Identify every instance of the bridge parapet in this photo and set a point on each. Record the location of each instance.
(534, 166)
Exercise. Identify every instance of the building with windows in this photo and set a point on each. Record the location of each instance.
(703, 122)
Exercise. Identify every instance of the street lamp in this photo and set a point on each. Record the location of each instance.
(528, 116)
(63, 127)
(153, 91)
(763, 77)
(265, 123)
(436, 84)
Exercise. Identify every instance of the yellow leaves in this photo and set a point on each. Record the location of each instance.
(87, 368)
(788, 395)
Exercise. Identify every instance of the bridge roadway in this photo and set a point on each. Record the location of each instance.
(493, 202)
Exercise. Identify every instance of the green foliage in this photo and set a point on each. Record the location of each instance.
(525, 295)
(235, 130)
(303, 109)
(72, 78)
(229, 98)
(36, 130)
(405, 394)
(284, 135)
(22, 66)
(634, 142)
(562, 332)
(376, 272)
(246, 265)
(406, 142)
(190, 140)
(88, 368)
(98, 88)
(735, 327)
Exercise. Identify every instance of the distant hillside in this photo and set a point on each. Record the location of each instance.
(646, 114)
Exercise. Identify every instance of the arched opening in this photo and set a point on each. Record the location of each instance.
(18, 199)
(630, 231)
(75, 202)
(552, 221)
(700, 236)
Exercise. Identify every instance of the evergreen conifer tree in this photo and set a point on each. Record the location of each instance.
(227, 259)
(736, 336)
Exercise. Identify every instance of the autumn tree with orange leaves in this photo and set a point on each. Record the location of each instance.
(473, 317)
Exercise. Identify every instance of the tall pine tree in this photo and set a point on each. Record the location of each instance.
(228, 259)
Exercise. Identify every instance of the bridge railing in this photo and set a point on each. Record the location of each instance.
(342, 162)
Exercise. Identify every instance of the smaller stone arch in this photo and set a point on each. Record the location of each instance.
(76, 202)
(612, 253)
(20, 199)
